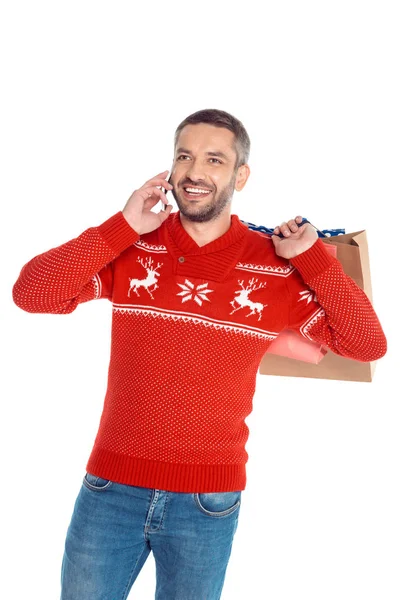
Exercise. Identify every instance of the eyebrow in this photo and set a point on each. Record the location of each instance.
(220, 154)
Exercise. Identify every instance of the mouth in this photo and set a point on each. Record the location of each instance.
(190, 194)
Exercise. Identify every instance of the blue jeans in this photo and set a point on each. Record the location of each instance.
(114, 527)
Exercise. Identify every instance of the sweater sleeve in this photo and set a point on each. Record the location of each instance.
(327, 306)
(80, 270)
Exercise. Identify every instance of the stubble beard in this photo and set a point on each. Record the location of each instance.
(207, 211)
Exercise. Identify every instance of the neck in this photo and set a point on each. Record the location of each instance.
(204, 233)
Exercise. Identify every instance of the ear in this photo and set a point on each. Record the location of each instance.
(241, 177)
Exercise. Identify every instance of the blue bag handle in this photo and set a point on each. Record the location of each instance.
(270, 231)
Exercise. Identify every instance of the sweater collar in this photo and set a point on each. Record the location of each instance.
(183, 243)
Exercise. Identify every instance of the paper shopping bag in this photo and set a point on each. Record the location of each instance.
(352, 253)
(293, 345)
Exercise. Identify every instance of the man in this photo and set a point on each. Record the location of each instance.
(197, 298)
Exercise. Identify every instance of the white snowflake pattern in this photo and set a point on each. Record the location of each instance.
(308, 295)
(198, 293)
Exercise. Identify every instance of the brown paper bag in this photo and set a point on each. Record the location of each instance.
(352, 253)
(289, 343)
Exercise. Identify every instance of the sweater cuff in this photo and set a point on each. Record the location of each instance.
(313, 261)
(117, 232)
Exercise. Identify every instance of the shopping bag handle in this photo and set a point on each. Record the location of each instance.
(302, 223)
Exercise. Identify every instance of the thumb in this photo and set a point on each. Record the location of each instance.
(275, 239)
(164, 214)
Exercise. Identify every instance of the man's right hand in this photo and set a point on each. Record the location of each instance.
(137, 211)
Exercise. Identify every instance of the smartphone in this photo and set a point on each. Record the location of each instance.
(164, 206)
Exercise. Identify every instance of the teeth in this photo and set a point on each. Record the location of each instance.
(197, 190)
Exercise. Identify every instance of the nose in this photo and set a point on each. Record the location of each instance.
(195, 172)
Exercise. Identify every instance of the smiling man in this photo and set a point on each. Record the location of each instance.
(207, 160)
(197, 299)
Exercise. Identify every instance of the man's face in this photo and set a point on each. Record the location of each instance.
(197, 164)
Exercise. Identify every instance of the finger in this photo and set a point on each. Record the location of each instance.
(293, 225)
(164, 214)
(158, 176)
(158, 181)
(150, 191)
(288, 227)
(285, 229)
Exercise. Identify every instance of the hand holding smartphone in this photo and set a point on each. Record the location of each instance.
(163, 207)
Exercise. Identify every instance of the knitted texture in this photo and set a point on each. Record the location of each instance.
(190, 326)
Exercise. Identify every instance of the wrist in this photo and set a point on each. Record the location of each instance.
(134, 226)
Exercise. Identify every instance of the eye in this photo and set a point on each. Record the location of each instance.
(185, 156)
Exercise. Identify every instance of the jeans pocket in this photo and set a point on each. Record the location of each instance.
(98, 484)
(217, 504)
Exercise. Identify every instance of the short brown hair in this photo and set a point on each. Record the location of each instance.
(220, 118)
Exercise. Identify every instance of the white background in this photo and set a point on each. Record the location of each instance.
(92, 94)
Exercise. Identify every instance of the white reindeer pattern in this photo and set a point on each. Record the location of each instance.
(243, 298)
(150, 280)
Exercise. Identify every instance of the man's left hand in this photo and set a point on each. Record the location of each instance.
(297, 239)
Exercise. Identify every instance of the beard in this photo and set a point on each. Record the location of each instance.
(206, 210)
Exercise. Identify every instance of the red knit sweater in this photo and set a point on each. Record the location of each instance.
(190, 326)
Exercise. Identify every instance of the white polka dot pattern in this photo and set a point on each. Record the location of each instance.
(333, 310)
(58, 280)
(185, 406)
(188, 338)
